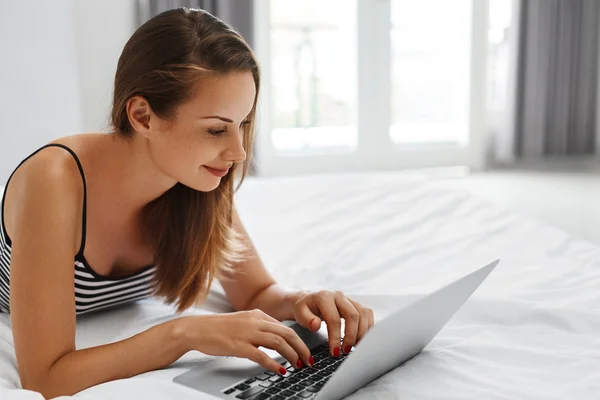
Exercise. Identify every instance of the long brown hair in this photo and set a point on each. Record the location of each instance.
(190, 230)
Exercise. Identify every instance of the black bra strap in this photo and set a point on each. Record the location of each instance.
(84, 214)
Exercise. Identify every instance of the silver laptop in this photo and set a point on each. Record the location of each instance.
(388, 344)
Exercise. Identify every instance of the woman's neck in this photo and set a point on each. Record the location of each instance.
(129, 169)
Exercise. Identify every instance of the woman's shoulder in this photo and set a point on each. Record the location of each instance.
(46, 174)
(61, 160)
(56, 163)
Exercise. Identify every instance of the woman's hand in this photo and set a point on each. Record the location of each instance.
(239, 334)
(312, 308)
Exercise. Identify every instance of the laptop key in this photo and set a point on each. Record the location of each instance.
(276, 378)
(273, 390)
(277, 397)
(305, 394)
(262, 377)
(297, 388)
(283, 385)
(250, 392)
(269, 373)
(319, 366)
(261, 396)
(242, 386)
(265, 384)
(313, 389)
(228, 391)
(249, 381)
(287, 393)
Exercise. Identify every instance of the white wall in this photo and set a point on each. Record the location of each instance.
(57, 64)
(103, 27)
(39, 93)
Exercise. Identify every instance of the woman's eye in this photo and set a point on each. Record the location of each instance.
(216, 132)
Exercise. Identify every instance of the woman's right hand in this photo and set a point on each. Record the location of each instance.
(239, 334)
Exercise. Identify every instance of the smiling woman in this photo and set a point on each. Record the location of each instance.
(92, 221)
(205, 69)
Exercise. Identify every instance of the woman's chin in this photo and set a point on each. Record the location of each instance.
(205, 186)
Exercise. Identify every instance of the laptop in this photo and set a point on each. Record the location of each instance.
(388, 344)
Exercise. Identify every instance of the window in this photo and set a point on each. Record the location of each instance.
(313, 75)
(370, 84)
(430, 71)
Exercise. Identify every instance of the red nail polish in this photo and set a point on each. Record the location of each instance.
(336, 352)
(310, 324)
(311, 361)
(282, 371)
(347, 349)
(298, 364)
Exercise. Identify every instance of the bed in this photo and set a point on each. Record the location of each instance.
(531, 331)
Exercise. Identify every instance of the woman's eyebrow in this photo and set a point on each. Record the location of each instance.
(218, 117)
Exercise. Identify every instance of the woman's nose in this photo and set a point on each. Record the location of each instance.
(235, 152)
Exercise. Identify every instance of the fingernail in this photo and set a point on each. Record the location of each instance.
(347, 349)
(311, 361)
(310, 324)
(282, 371)
(336, 352)
(298, 364)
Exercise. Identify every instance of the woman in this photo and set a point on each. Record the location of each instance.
(148, 210)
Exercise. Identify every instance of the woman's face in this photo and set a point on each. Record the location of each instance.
(205, 138)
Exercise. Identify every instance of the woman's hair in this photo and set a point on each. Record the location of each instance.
(191, 231)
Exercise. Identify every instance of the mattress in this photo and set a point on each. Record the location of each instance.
(531, 330)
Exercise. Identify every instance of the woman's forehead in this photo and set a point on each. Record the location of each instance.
(230, 96)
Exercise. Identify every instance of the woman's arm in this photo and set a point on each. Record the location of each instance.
(43, 205)
(155, 348)
(253, 287)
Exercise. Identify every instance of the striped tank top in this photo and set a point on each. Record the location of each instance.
(92, 291)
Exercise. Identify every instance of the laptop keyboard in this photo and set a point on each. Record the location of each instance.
(296, 384)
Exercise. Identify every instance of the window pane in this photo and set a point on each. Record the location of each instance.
(500, 24)
(431, 42)
(313, 74)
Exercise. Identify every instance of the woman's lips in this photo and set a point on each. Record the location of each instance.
(217, 172)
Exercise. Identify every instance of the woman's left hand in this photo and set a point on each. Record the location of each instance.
(313, 308)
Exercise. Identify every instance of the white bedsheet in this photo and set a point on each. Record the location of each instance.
(531, 331)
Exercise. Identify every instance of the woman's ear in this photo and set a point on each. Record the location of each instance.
(140, 115)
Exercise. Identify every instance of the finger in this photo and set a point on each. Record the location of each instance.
(279, 344)
(262, 359)
(307, 318)
(291, 338)
(325, 303)
(363, 325)
(371, 318)
(352, 318)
